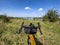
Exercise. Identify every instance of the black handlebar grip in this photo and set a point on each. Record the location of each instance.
(39, 26)
(21, 27)
(22, 24)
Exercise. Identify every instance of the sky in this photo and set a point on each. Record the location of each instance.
(28, 8)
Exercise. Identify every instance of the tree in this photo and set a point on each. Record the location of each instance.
(51, 15)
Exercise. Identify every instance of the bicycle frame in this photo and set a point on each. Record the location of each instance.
(31, 31)
(32, 40)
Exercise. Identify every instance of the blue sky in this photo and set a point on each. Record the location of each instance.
(28, 8)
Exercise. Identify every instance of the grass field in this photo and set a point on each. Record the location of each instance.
(10, 36)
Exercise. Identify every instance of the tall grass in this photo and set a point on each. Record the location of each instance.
(10, 36)
(2, 27)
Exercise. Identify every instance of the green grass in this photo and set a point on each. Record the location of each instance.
(51, 33)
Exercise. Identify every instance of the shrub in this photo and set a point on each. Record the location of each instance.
(4, 18)
(51, 15)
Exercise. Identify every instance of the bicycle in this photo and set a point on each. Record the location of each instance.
(30, 30)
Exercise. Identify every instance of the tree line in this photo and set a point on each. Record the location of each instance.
(51, 16)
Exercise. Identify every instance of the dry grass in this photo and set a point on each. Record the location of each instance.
(11, 37)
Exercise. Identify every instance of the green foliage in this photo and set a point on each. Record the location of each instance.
(4, 18)
(51, 15)
(45, 18)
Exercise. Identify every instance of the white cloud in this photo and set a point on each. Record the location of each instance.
(40, 9)
(27, 8)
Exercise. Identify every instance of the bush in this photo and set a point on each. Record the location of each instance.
(51, 15)
(45, 18)
(4, 18)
